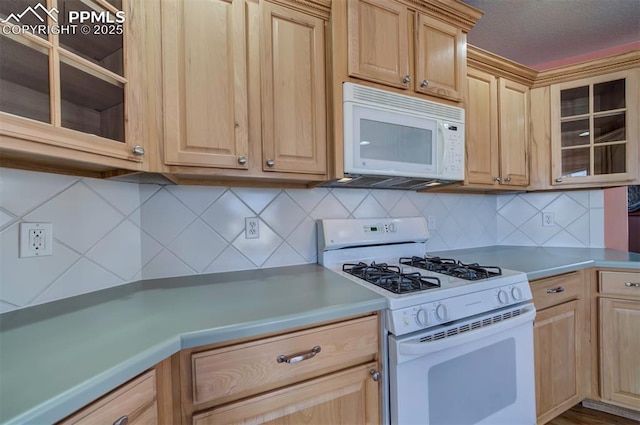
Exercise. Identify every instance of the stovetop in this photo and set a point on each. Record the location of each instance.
(388, 256)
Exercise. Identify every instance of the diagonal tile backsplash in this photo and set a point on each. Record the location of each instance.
(107, 233)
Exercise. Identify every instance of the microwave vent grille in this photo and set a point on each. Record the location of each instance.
(422, 107)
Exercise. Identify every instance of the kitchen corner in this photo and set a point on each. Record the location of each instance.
(60, 356)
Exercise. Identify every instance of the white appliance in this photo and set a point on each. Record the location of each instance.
(396, 136)
(458, 337)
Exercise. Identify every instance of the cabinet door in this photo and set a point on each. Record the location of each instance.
(440, 59)
(482, 128)
(595, 129)
(619, 348)
(294, 112)
(347, 397)
(378, 41)
(513, 101)
(205, 88)
(80, 92)
(557, 359)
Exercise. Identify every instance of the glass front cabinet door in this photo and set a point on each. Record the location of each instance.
(594, 129)
(68, 70)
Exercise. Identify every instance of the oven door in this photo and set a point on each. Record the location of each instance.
(474, 371)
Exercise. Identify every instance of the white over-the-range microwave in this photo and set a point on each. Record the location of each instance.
(400, 142)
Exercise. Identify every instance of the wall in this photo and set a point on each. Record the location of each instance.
(616, 218)
(107, 233)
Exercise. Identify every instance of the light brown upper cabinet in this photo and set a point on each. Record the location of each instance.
(74, 98)
(390, 44)
(497, 123)
(294, 106)
(595, 130)
(244, 89)
(205, 83)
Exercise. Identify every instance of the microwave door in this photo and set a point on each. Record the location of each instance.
(389, 143)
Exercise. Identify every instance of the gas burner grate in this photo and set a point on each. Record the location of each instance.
(451, 267)
(391, 278)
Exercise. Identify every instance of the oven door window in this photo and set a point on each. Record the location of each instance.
(474, 386)
(393, 142)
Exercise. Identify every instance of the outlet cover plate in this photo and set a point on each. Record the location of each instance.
(251, 227)
(36, 239)
(548, 219)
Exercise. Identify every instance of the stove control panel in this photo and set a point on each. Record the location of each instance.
(425, 315)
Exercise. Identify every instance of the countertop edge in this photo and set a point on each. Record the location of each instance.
(74, 399)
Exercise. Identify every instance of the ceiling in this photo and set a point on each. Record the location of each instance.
(537, 32)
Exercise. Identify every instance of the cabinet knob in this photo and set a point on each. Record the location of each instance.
(270, 163)
(424, 83)
(407, 79)
(508, 179)
(559, 180)
(375, 375)
(242, 160)
(122, 420)
(497, 179)
(138, 150)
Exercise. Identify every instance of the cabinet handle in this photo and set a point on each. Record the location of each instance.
(270, 162)
(299, 356)
(497, 179)
(555, 290)
(508, 179)
(375, 375)
(634, 284)
(559, 180)
(407, 79)
(242, 160)
(122, 420)
(138, 150)
(424, 83)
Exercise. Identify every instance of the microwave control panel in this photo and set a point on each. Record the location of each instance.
(453, 155)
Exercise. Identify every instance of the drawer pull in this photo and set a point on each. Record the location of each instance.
(298, 357)
(634, 284)
(122, 420)
(555, 290)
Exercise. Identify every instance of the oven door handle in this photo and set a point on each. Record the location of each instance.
(415, 347)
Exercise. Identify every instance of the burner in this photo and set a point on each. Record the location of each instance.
(452, 267)
(391, 278)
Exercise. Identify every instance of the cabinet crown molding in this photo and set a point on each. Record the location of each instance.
(590, 68)
(499, 66)
(457, 13)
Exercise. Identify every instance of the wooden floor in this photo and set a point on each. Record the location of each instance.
(579, 415)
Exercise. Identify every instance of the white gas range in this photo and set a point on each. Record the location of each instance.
(459, 337)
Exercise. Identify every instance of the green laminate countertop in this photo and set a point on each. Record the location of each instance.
(57, 357)
(539, 262)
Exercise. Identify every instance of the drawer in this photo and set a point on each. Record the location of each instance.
(136, 400)
(620, 283)
(557, 289)
(229, 373)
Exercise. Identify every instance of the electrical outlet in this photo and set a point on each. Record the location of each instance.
(548, 219)
(431, 222)
(251, 227)
(36, 239)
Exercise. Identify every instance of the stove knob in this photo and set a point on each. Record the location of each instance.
(422, 317)
(503, 297)
(516, 293)
(441, 312)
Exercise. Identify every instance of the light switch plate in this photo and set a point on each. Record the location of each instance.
(36, 239)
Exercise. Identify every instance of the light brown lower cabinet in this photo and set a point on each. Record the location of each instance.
(559, 330)
(346, 397)
(619, 326)
(134, 403)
